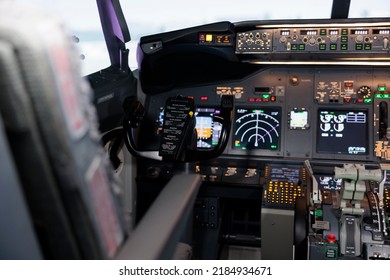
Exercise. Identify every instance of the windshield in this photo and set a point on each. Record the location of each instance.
(150, 17)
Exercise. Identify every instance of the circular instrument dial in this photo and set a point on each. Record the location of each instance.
(364, 92)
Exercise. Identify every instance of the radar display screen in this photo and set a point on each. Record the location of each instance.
(257, 129)
(208, 131)
(342, 132)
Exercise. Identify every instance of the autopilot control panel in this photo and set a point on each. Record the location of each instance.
(320, 38)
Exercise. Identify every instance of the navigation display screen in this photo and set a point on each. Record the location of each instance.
(257, 129)
(342, 132)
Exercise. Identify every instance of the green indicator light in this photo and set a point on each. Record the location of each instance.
(381, 88)
(323, 32)
(244, 148)
(344, 47)
(367, 47)
(359, 47)
(367, 100)
(301, 47)
(322, 47)
(331, 254)
(274, 147)
(333, 47)
(344, 32)
(386, 96)
(266, 95)
(344, 39)
(294, 47)
(214, 143)
(318, 213)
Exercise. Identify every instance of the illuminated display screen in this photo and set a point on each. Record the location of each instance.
(257, 129)
(381, 31)
(359, 32)
(299, 119)
(285, 32)
(208, 131)
(342, 132)
(309, 32)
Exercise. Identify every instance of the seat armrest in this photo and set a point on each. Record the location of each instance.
(158, 233)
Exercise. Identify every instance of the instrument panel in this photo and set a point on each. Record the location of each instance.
(305, 92)
(322, 113)
(369, 37)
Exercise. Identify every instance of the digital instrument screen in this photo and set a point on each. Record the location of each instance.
(309, 32)
(359, 32)
(299, 119)
(342, 132)
(208, 131)
(285, 32)
(257, 129)
(284, 174)
(381, 31)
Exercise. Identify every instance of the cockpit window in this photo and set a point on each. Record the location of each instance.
(82, 20)
(372, 8)
(174, 14)
(150, 17)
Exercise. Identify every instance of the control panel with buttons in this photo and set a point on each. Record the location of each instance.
(283, 186)
(281, 194)
(372, 37)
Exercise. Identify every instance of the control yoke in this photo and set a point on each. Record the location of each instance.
(179, 135)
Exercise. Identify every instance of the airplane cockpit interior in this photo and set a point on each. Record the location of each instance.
(264, 139)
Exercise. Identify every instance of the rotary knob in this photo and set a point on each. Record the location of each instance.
(333, 39)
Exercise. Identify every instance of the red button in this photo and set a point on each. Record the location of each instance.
(331, 238)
